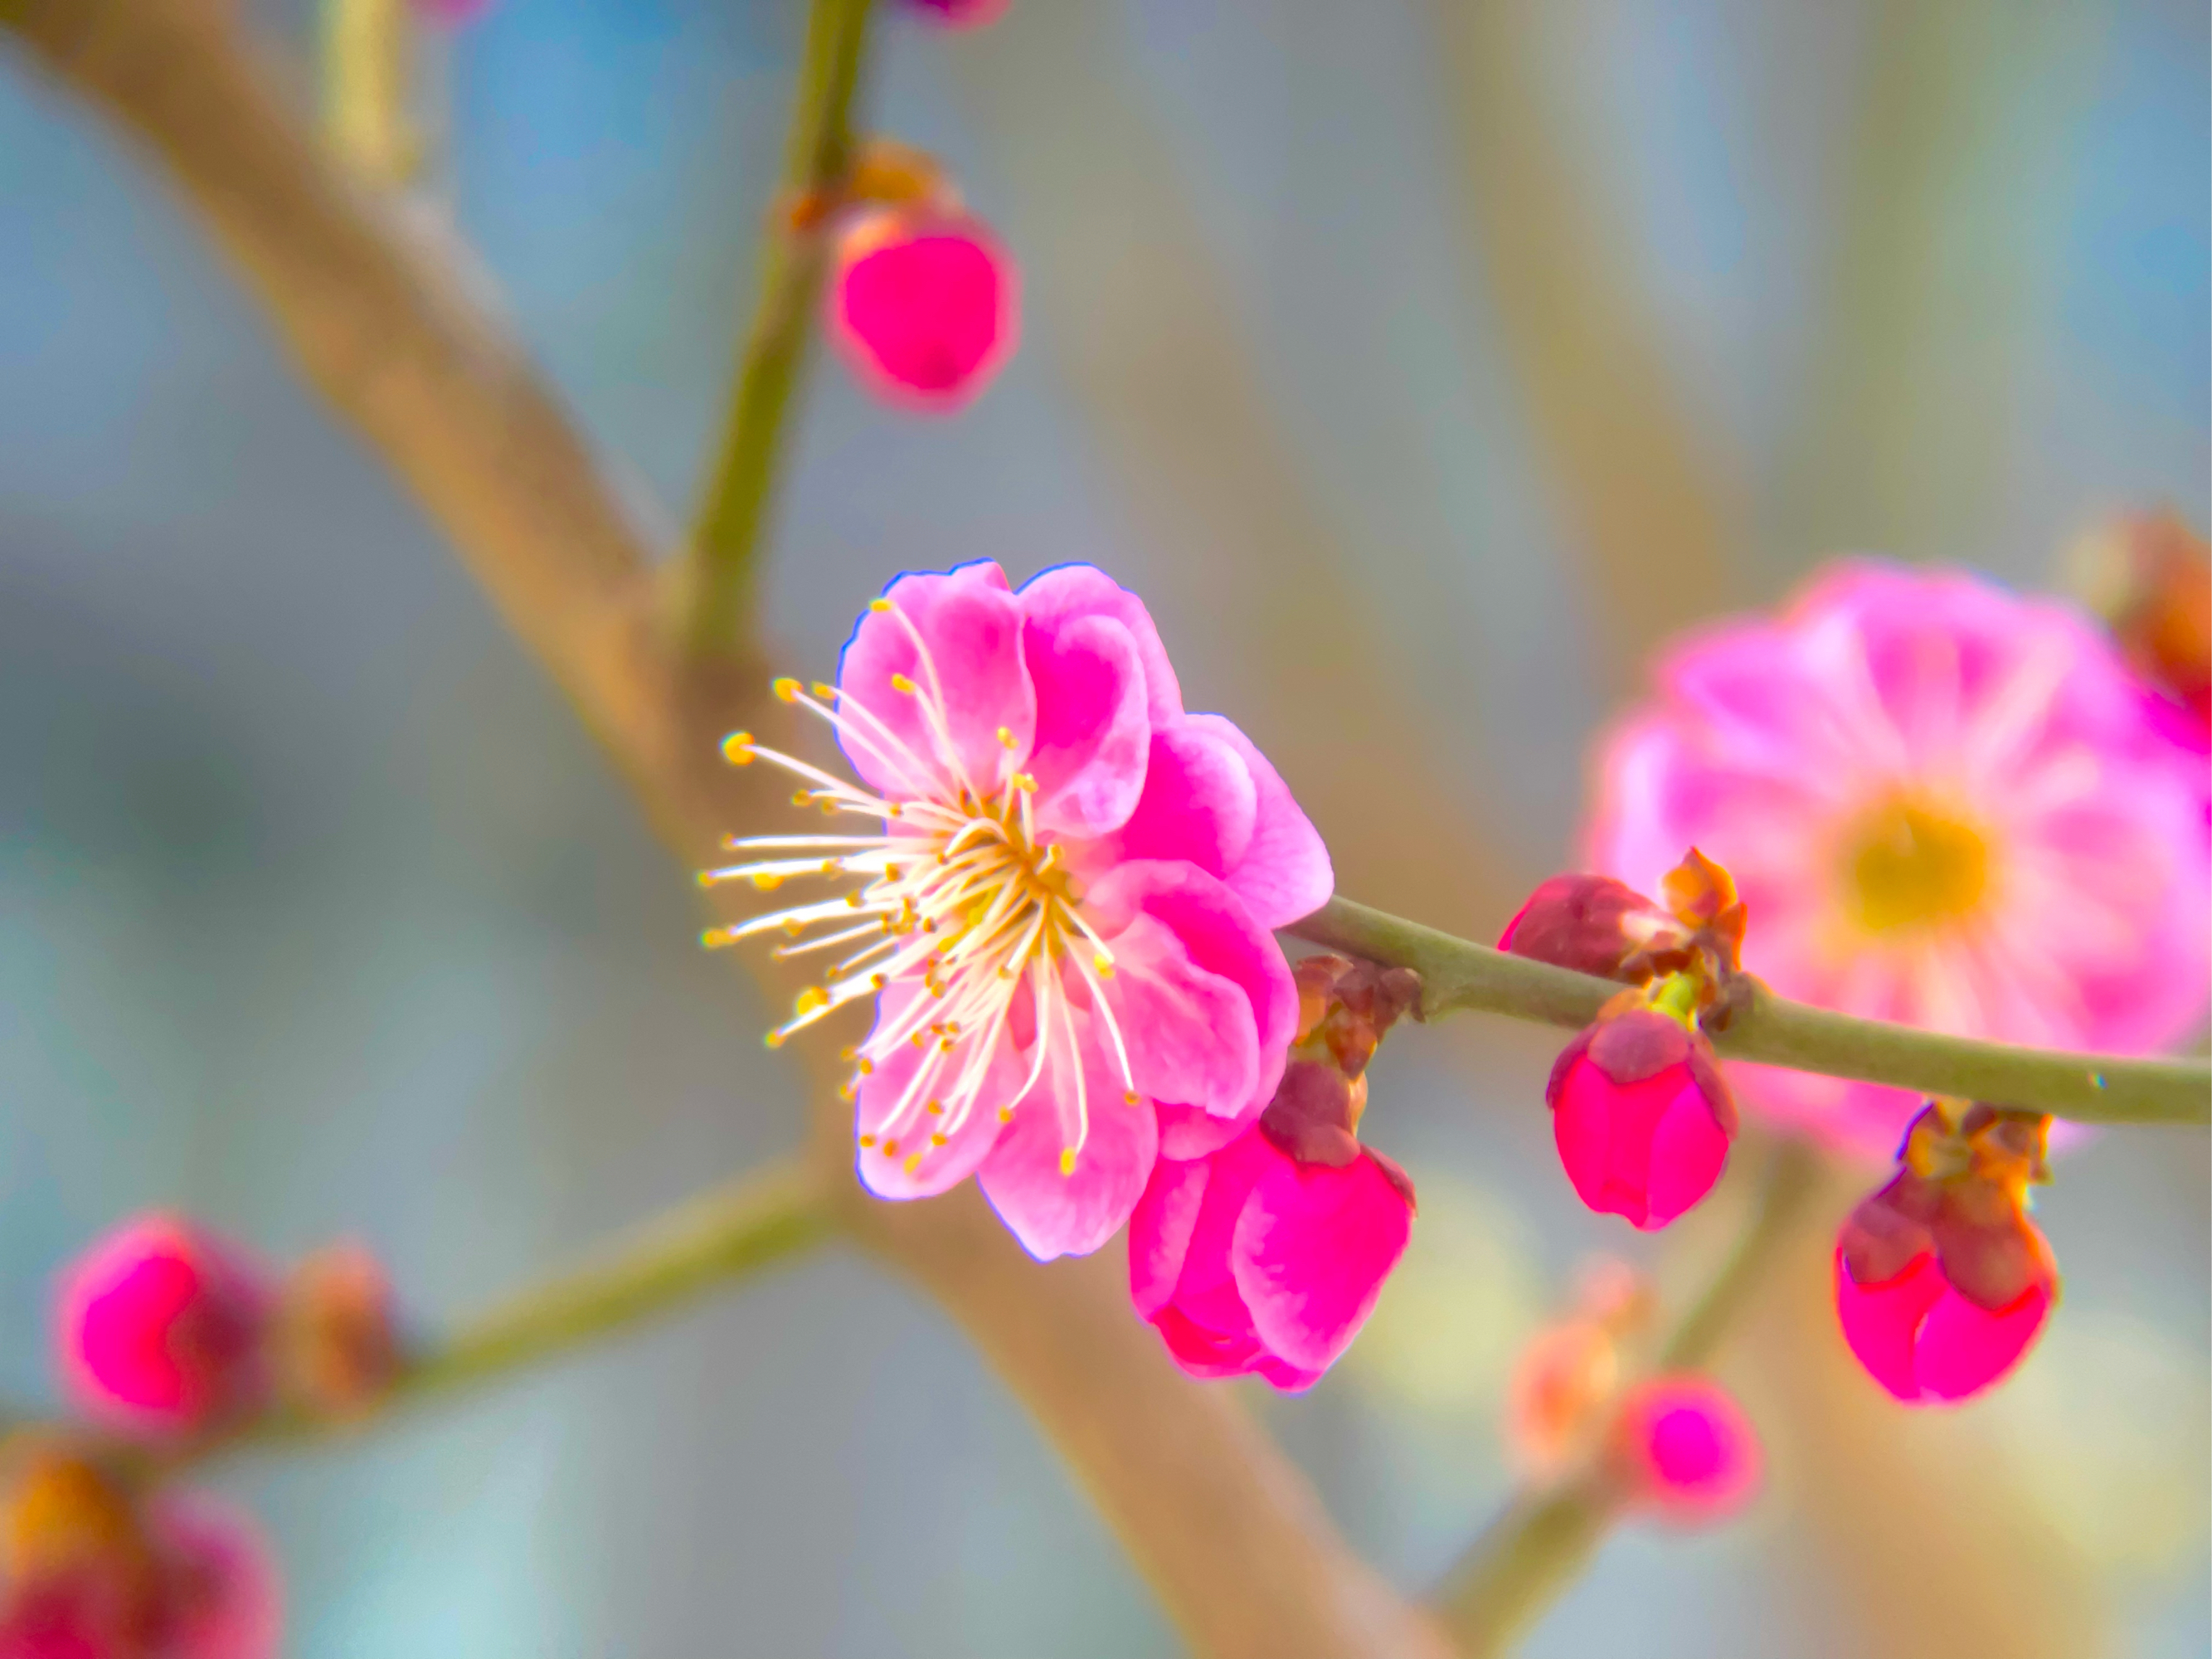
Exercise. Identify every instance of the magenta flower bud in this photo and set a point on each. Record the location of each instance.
(925, 307)
(1592, 924)
(1682, 1447)
(159, 1328)
(1926, 1342)
(958, 14)
(1642, 1115)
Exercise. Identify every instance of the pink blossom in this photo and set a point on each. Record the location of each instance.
(1257, 1259)
(1944, 805)
(1682, 1447)
(1065, 924)
(1924, 1340)
(959, 14)
(159, 1328)
(924, 305)
(1642, 1116)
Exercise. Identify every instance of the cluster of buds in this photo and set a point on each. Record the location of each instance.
(923, 303)
(1941, 1280)
(164, 1331)
(1675, 1445)
(1640, 1111)
(95, 1566)
(1266, 1256)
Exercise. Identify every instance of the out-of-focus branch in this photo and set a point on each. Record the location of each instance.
(717, 578)
(1544, 1538)
(1457, 972)
(1653, 514)
(1228, 1532)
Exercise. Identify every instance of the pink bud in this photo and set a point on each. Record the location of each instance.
(926, 308)
(1684, 1447)
(1925, 1341)
(1642, 1116)
(159, 1328)
(1592, 924)
(958, 14)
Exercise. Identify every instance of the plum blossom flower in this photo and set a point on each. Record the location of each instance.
(88, 1569)
(1945, 805)
(159, 1328)
(1683, 1448)
(1942, 1282)
(1064, 917)
(1266, 1256)
(924, 304)
(1642, 1116)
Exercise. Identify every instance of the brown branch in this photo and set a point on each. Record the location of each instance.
(1229, 1533)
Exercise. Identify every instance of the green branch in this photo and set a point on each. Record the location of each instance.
(719, 575)
(1458, 973)
(1542, 1539)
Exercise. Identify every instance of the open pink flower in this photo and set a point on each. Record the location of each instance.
(1682, 1448)
(924, 304)
(159, 1328)
(1944, 805)
(1642, 1116)
(1064, 927)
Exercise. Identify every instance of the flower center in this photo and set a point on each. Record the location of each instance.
(961, 900)
(1907, 865)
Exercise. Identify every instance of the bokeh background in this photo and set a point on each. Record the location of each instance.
(1423, 362)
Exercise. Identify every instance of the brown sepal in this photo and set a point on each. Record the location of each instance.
(1640, 1044)
(1311, 1117)
(1395, 1175)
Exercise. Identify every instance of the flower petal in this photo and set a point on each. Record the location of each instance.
(1093, 734)
(1073, 1215)
(1199, 803)
(903, 1163)
(1067, 591)
(1160, 1229)
(974, 675)
(1311, 1251)
(1285, 874)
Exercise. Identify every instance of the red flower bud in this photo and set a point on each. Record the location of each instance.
(1592, 924)
(1682, 1447)
(925, 305)
(1642, 1115)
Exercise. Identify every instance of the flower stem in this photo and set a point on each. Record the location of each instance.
(1458, 973)
(1543, 1538)
(718, 577)
(711, 1242)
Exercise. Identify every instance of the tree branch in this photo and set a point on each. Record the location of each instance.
(1543, 1539)
(1229, 1534)
(718, 577)
(1775, 1031)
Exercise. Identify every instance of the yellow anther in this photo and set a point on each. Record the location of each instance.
(1024, 782)
(936, 1140)
(853, 899)
(867, 1140)
(803, 798)
(919, 1040)
(715, 938)
(890, 1149)
(811, 999)
(768, 884)
(935, 1108)
(848, 1092)
(788, 689)
(903, 685)
(880, 605)
(738, 749)
(878, 980)
(913, 1161)
(867, 1067)
(1104, 965)
(774, 1039)
(849, 1053)
(944, 1045)
(1006, 737)
(1068, 1160)
(1128, 1096)
(823, 691)
(1005, 1115)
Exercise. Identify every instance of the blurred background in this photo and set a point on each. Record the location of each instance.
(1423, 362)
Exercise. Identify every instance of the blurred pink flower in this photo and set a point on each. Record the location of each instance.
(159, 1328)
(221, 1596)
(959, 14)
(1683, 1447)
(1268, 1256)
(1944, 805)
(1064, 927)
(924, 304)
(1641, 1115)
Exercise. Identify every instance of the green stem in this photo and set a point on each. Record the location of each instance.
(720, 573)
(1457, 972)
(1542, 1539)
(714, 1240)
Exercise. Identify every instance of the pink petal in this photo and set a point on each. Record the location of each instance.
(1310, 1254)
(1208, 1355)
(1206, 1291)
(1160, 1229)
(1881, 1322)
(1285, 874)
(972, 626)
(1066, 591)
(1964, 1348)
(223, 1596)
(1199, 803)
(885, 1173)
(1187, 952)
(1191, 1132)
(1055, 1214)
(1689, 1149)
(926, 310)
(1093, 735)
